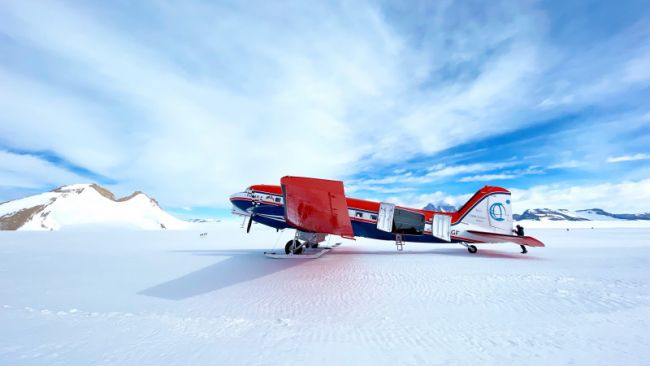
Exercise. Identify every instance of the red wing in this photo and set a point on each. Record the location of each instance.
(501, 238)
(316, 205)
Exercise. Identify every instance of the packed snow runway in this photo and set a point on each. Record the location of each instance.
(134, 298)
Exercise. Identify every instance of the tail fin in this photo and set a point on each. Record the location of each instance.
(489, 209)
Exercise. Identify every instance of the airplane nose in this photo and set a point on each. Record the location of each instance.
(241, 202)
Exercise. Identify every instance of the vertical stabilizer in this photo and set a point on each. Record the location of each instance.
(490, 209)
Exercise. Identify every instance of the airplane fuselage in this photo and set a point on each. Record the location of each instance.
(267, 201)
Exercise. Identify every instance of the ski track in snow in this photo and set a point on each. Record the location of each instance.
(172, 298)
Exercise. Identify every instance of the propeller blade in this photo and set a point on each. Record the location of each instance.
(250, 222)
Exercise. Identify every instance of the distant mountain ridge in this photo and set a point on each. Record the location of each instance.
(548, 214)
(540, 214)
(594, 214)
(203, 221)
(440, 207)
(598, 211)
(85, 205)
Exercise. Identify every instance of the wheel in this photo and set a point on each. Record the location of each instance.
(288, 248)
(472, 249)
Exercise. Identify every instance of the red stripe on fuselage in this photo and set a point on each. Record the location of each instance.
(267, 188)
(353, 203)
(373, 207)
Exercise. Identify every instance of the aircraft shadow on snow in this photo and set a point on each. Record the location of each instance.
(247, 265)
(240, 266)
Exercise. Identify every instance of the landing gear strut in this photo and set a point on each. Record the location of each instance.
(470, 248)
(523, 249)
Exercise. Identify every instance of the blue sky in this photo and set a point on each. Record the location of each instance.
(411, 102)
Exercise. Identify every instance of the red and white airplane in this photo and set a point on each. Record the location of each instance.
(318, 207)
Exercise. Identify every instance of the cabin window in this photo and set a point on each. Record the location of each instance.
(374, 217)
(278, 199)
(408, 222)
(359, 214)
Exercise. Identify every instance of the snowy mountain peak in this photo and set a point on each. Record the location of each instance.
(440, 207)
(594, 214)
(547, 214)
(85, 205)
(79, 188)
(599, 214)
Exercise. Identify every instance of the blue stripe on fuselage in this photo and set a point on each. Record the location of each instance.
(273, 216)
(369, 230)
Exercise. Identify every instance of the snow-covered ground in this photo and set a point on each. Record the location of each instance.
(172, 297)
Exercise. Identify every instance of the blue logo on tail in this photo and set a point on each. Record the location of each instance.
(498, 211)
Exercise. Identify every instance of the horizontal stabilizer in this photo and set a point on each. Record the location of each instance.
(503, 238)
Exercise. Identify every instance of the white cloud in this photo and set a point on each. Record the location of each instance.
(566, 165)
(487, 177)
(506, 174)
(625, 197)
(447, 171)
(27, 171)
(241, 101)
(598, 72)
(618, 159)
(434, 173)
(193, 109)
(421, 200)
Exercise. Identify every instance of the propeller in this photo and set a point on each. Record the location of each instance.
(250, 222)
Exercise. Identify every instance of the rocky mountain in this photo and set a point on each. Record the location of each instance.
(85, 206)
(547, 214)
(203, 221)
(594, 214)
(544, 214)
(440, 207)
(599, 214)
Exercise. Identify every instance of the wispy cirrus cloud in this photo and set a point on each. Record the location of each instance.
(435, 173)
(503, 175)
(149, 107)
(618, 197)
(447, 171)
(635, 157)
(487, 177)
(164, 98)
(28, 171)
(566, 165)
